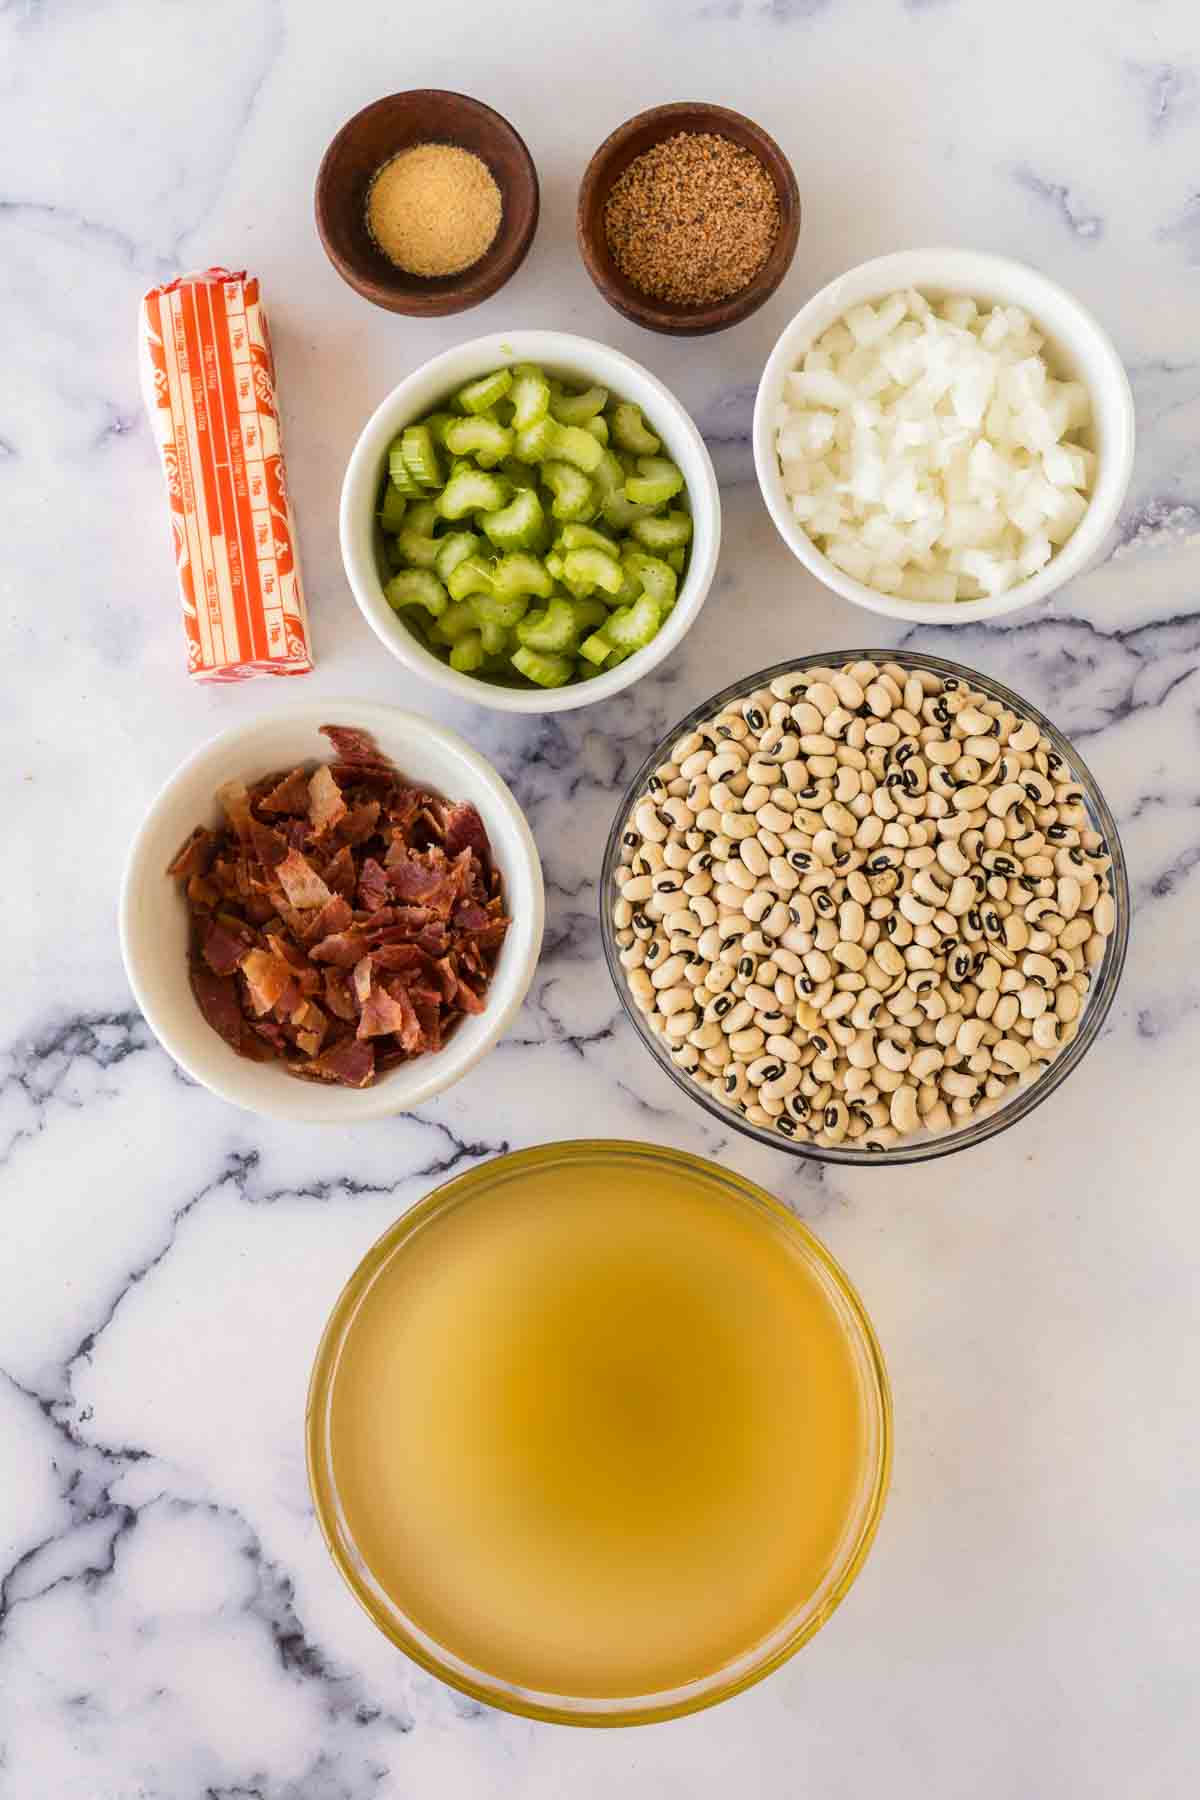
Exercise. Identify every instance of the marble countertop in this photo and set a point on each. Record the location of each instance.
(171, 1627)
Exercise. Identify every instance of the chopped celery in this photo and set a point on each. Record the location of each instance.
(630, 432)
(597, 648)
(455, 549)
(457, 620)
(582, 537)
(577, 409)
(663, 531)
(392, 508)
(467, 654)
(418, 550)
(530, 395)
(398, 473)
(471, 490)
(554, 565)
(521, 573)
(657, 481)
(546, 438)
(480, 396)
(518, 526)
(677, 558)
(544, 671)
(521, 475)
(416, 587)
(633, 626)
(420, 456)
(500, 609)
(574, 495)
(485, 440)
(655, 577)
(552, 628)
(435, 423)
(587, 614)
(497, 640)
(592, 568)
(470, 577)
(396, 558)
(598, 428)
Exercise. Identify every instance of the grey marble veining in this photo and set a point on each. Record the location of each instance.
(170, 1625)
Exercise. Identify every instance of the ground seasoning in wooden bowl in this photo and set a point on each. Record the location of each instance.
(434, 209)
(692, 219)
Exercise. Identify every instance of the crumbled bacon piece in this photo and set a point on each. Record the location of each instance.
(343, 921)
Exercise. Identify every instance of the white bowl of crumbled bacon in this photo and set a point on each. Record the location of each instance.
(332, 913)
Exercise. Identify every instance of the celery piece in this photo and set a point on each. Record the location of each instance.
(422, 516)
(677, 558)
(597, 648)
(470, 490)
(420, 456)
(500, 609)
(587, 614)
(551, 629)
(633, 626)
(467, 654)
(518, 526)
(470, 577)
(398, 473)
(521, 573)
(418, 551)
(657, 481)
(392, 507)
(453, 550)
(574, 495)
(416, 587)
(578, 447)
(530, 395)
(497, 640)
(553, 564)
(457, 620)
(521, 475)
(395, 556)
(620, 513)
(435, 423)
(630, 431)
(582, 537)
(577, 409)
(598, 428)
(654, 577)
(665, 531)
(485, 440)
(534, 442)
(480, 396)
(592, 568)
(544, 671)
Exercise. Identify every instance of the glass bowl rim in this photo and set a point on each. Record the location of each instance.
(1104, 982)
(705, 1691)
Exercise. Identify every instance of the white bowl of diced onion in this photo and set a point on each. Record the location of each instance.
(944, 469)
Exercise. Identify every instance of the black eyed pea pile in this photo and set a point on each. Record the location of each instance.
(861, 903)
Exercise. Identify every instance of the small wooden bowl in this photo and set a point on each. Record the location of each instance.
(614, 157)
(381, 131)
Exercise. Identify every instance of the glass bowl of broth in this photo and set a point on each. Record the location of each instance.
(599, 1433)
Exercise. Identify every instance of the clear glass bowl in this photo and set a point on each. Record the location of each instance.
(625, 1162)
(924, 1145)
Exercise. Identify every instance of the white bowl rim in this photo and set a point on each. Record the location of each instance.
(975, 266)
(312, 1102)
(529, 345)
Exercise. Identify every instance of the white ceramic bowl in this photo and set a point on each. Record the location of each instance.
(154, 920)
(574, 359)
(1077, 347)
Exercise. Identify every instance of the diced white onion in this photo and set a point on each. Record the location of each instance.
(927, 448)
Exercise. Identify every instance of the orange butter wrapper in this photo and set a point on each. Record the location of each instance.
(208, 379)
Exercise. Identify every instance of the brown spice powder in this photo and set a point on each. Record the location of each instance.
(434, 209)
(692, 219)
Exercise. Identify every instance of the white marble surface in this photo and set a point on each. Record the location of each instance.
(170, 1625)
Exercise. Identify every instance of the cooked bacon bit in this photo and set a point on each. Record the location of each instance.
(194, 857)
(326, 806)
(224, 947)
(290, 796)
(342, 920)
(350, 1063)
(267, 976)
(372, 885)
(338, 997)
(300, 882)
